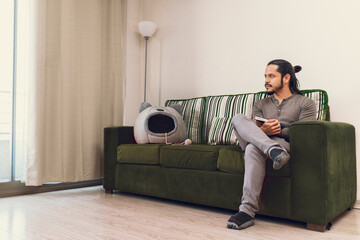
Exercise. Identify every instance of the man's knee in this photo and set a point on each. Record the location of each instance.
(251, 148)
(252, 153)
(238, 119)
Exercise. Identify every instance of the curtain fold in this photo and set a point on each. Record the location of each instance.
(75, 87)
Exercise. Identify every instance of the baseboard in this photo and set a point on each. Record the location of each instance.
(17, 188)
(357, 204)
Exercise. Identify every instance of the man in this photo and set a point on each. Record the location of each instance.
(268, 139)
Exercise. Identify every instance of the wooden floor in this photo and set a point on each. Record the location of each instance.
(89, 213)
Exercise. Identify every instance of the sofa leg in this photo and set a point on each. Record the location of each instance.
(316, 227)
(109, 191)
(322, 228)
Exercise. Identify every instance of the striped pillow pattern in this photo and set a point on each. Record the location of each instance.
(222, 132)
(320, 98)
(225, 106)
(192, 113)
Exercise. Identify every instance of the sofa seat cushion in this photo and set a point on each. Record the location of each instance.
(231, 159)
(195, 156)
(226, 158)
(139, 153)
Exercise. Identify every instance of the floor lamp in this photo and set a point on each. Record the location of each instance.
(147, 29)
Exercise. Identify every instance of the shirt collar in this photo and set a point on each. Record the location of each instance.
(274, 100)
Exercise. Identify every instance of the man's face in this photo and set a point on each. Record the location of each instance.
(273, 80)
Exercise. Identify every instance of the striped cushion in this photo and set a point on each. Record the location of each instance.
(222, 132)
(320, 98)
(192, 112)
(225, 106)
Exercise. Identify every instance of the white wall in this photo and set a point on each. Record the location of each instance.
(211, 47)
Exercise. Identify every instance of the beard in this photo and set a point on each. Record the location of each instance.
(270, 92)
(274, 89)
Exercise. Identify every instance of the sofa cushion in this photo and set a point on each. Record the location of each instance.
(320, 98)
(196, 156)
(192, 112)
(225, 106)
(231, 159)
(224, 158)
(222, 132)
(138, 153)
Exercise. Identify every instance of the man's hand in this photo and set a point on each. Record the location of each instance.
(271, 127)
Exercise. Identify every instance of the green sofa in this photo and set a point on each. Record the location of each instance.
(316, 186)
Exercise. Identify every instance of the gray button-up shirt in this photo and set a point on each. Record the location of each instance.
(292, 109)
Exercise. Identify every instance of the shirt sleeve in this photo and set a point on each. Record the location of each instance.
(284, 133)
(307, 113)
(308, 110)
(257, 110)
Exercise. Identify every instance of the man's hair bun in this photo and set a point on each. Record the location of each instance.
(297, 68)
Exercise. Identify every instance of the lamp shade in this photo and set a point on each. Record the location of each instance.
(146, 28)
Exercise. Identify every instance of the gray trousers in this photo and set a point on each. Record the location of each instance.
(257, 146)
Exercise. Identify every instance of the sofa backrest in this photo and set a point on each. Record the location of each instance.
(208, 119)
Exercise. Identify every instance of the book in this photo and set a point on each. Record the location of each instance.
(261, 119)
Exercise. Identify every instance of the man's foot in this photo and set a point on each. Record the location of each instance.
(279, 157)
(239, 221)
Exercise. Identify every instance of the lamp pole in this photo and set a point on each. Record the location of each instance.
(147, 29)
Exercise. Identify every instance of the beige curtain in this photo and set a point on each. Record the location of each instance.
(75, 87)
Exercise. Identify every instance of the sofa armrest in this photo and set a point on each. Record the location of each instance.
(322, 169)
(113, 137)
